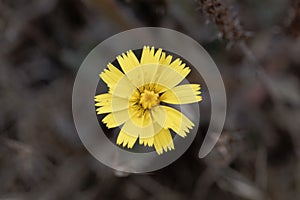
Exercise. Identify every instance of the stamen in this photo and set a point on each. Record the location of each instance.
(149, 99)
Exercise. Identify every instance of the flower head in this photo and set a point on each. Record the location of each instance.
(139, 95)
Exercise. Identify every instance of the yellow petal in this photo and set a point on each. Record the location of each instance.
(126, 140)
(183, 94)
(141, 126)
(168, 117)
(116, 119)
(165, 60)
(149, 56)
(163, 141)
(111, 76)
(160, 76)
(157, 55)
(147, 141)
(141, 130)
(168, 77)
(177, 64)
(124, 88)
(103, 97)
(180, 67)
(128, 61)
(109, 103)
(139, 116)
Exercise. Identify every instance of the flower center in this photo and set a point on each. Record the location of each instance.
(149, 99)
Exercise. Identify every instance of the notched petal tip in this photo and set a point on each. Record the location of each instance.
(126, 140)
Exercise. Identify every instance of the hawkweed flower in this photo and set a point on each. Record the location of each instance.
(140, 96)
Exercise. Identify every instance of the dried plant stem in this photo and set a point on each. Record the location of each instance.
(228, 25)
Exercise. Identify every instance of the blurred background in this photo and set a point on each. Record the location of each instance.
(254, 43)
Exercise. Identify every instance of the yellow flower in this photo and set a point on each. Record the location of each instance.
(138, 99)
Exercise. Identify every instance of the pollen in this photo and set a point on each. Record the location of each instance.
(149, 99)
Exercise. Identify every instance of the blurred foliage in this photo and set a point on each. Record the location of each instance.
(43, 43)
